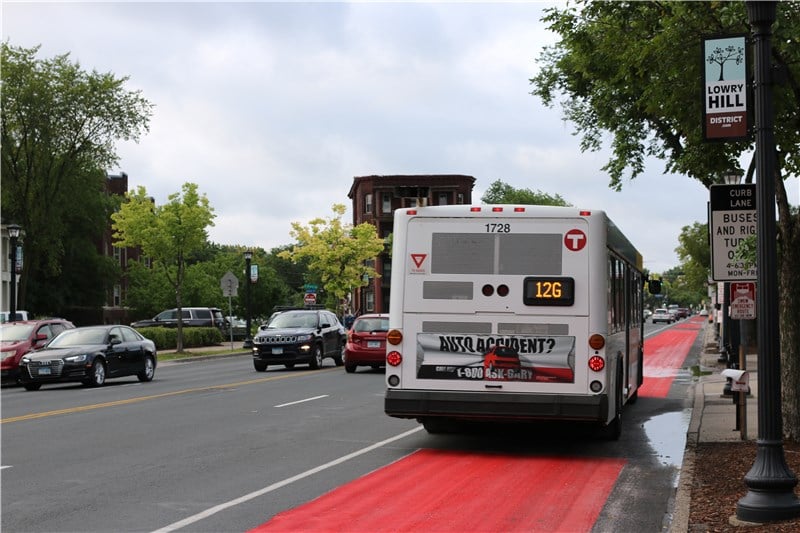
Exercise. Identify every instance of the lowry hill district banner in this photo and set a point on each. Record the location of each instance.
(725, 88)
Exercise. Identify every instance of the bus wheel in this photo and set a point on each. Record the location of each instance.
(435, 425)
(613, 430)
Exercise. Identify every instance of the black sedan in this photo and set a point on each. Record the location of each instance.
(90, 355)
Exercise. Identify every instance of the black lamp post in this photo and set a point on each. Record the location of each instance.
(770, 482)
(248, 257)
(13, 235)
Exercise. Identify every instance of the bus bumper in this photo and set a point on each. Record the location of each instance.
(495, 406)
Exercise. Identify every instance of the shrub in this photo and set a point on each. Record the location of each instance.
(167, 338)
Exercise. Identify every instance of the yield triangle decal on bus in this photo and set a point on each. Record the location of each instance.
(418, 260)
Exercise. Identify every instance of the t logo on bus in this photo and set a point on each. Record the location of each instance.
(575, 240)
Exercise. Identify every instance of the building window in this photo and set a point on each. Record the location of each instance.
(444, 198)
(117, 296)
(117, 251)
(409, 202)
(460, 198)
(386, 206)
(386, 275)
(370, 301)
(368, 203)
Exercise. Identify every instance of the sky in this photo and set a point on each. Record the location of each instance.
(273, 108)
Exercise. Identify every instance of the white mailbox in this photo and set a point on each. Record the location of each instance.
(740, 379)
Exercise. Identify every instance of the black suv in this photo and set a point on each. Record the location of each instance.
(192, 317)
(303, 336)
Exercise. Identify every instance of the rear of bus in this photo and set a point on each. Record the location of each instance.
(499, 312)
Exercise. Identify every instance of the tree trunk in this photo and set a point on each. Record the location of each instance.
(789, 304)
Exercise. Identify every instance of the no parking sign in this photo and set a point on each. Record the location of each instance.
(743, 300)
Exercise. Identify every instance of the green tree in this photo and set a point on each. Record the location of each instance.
(632, 69)
(168, 234)
(337, 253)
(503, 193)
(59, 127)
(695, 255)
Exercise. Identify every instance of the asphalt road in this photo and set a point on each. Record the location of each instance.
(215, 446)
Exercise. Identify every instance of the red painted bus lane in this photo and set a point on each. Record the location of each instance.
(665, 353)
(452, 491)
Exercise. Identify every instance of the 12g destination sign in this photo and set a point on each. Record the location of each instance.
(725, 88)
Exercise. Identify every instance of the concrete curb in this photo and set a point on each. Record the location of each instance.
(683, 496)
(194, 358)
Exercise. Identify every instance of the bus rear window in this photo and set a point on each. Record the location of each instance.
(500, 254)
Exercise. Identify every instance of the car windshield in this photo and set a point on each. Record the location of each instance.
(368, 325)
(78, 337)
(15, 332)
(293, 320)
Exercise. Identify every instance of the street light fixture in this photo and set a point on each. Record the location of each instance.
(13, 235)
(732, 177)
(248, 257)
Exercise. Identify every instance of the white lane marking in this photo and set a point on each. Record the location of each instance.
(301, 401)
(4, 467)
(247, 497)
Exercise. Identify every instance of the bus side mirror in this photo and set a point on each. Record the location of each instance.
(654, 286)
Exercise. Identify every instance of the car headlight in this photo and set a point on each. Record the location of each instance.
(7, 354)
(303, 338)
(25, 360)
(75, 358)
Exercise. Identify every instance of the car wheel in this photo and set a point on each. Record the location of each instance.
(97, 374)
(149, 369)
(349, 368)
(259, 366)
(33, 386)
(316, 362)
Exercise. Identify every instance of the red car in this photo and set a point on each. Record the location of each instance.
(366, 342)
(19, 338)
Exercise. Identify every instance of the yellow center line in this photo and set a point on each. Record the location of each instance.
(91, 407)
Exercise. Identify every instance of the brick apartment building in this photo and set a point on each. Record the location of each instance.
(374, 200)
(114, 310)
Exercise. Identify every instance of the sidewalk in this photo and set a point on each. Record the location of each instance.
(713, 419)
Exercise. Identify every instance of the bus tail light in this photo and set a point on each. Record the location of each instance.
(597, 363)
(395, 337)
(394, 358)
(597, 342)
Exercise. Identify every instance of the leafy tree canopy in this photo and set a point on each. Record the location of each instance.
(59, 129)
(633, 69)
(339, 254)
(503, 193)
(168, 234)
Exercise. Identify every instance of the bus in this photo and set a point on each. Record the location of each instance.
(515, 313)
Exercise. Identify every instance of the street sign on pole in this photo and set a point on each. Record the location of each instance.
(743, 300)
(229, 284)
(732, 219)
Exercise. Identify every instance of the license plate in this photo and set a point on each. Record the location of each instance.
(44, 371)
(373, 344)
(277, 351)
